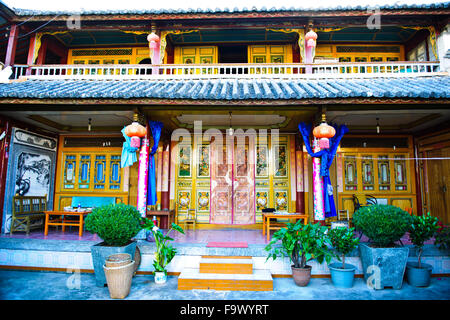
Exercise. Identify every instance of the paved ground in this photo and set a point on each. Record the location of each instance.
(27, 285)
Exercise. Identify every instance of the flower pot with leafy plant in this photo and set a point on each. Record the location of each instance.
(422, 229)
(383, 260)
(116, 225)
(301, 243)
(164, 250)
(343, 241)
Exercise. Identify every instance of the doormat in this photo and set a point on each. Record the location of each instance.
(227, 245)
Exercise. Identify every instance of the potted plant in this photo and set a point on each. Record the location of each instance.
(301, 243)
(442, 237)
(383, 261)
(164, 250)
(422, 229)
(343, 241)
(116, 225)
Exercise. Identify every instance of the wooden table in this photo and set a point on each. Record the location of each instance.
(167, 221)
(271, 215)
(63, 222)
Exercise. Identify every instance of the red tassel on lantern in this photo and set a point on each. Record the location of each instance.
(324, 143)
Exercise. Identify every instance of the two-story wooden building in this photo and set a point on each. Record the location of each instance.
(79, 78)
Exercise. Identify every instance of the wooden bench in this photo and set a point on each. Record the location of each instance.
(28, 213)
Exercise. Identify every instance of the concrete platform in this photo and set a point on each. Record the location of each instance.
(62, 255)
(27, 285)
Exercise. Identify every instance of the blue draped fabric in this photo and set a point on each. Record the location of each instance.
(326, 159)
(155, 128)
(128, 153)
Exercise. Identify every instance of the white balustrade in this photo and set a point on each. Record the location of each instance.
(228, 71)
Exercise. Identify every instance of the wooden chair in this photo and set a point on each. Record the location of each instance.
(191, 218)
(27, 213)
(362, 200)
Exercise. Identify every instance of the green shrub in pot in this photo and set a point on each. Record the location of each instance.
(116, 225)
(384, 225)
(343, 241)
(422, 229)
(301, 243)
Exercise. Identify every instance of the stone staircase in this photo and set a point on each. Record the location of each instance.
(225, 273)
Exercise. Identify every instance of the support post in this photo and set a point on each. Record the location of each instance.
(12, 44)
(300, 198)
(31, 50)
(165, 201)
(319, 210)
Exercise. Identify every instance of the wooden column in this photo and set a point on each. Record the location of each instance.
(4, 148)
(31, 53)
(42, 52)
(300, 199)
(12, 44)
(165, 201)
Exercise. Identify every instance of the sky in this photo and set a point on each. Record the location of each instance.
(77, 5)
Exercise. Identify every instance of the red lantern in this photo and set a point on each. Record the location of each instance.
(324, 132)
(311, 38)
(135, 131)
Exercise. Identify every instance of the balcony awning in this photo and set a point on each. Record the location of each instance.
(230, 89)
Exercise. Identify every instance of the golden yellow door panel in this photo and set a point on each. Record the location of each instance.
(90, 171)
(195, 55)
(361, 52)
(108, 55)
(270, 54)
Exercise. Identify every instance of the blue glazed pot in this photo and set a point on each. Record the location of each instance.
(418, 277)
(342, 278)
(100, 253)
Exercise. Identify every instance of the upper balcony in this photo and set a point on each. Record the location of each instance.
(280, 71)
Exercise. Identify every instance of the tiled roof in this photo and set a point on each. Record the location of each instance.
(225, 89)
(163, 9)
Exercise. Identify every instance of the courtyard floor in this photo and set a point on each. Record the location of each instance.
(31, 285)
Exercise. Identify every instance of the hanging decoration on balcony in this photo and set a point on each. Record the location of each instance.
(324, 132)
(310, 38)
(155, 127)
(310, 49)
(135, 131)
(323, 191)
(153, 44)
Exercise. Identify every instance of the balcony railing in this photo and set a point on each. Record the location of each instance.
(227, 71)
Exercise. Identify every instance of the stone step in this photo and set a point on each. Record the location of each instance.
(226, 266)
(191, 278)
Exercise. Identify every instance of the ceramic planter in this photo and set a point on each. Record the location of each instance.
(301, 276)
(418, 277)
(342, 278)
(160, 278)
(100, 252)
(383, 267)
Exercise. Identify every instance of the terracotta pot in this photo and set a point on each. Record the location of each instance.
(301, 276)
(119, 280)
